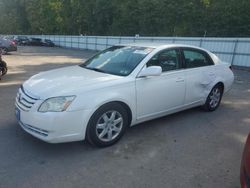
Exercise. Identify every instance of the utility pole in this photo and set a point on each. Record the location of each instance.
(205, 34)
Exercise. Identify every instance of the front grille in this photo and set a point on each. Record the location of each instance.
(34, 129)
(25, 101)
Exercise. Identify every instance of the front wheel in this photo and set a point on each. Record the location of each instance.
(4, 68)
(214, 98)
(107, 125)
(4, 51)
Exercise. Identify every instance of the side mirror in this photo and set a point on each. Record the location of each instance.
(151, 71)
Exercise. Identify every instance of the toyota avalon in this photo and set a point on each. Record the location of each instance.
(120, 87)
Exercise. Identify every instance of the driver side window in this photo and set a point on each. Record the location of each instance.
(167, 59)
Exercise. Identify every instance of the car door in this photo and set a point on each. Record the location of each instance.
(159, 94)
(199, 74)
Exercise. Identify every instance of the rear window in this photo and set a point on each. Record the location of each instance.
(196, 58)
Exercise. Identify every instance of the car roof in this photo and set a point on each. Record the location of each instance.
(160, 45)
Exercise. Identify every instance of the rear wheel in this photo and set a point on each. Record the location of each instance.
(4, 51)
(214, 98)
(107, 125)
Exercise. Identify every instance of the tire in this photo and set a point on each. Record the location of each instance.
(4, 68)
(214, 98)
(4, 51)
(107, 125)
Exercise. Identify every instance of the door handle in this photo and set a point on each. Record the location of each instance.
(180, 80)
(211, 74)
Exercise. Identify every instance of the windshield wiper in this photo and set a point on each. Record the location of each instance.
(95, 69)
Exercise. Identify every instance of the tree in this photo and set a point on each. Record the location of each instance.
(219, 18)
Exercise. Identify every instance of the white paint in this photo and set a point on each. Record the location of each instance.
(147, 97)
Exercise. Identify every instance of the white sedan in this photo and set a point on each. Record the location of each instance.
(120, 87)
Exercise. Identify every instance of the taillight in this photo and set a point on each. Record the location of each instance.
(13, 43)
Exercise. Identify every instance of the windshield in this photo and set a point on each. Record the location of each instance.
(117, 60)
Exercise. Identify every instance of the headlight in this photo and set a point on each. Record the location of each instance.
(56, 104)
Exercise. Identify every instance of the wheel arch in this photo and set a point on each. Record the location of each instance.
(212, 85)
(127, 108)
(222, 85)
(123, 104)
(207, 104)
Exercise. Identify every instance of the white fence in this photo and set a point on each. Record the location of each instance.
(233, 50)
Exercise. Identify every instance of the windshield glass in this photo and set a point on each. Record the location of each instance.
(117, 60)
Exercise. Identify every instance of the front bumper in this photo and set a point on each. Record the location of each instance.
(55, 127)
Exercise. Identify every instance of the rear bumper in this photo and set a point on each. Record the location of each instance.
(229, 83)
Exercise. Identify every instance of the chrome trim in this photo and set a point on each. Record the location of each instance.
(25, 92)
(20, 107)
(25, 101)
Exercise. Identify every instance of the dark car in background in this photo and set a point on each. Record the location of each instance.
(41, 42)
(245, 165)
(11, 38)
(7, 45)
(25, 41)
(36, 42)
(48, 43)
(22, 40)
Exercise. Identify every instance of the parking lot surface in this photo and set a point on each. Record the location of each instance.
(191, 149)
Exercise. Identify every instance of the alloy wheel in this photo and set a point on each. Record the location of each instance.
(215, 97)
(109, 126)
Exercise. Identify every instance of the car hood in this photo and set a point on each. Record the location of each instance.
(66, 81)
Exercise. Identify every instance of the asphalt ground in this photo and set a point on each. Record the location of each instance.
(190, 149)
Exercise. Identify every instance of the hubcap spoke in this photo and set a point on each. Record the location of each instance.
(211, 97)
(212, 103)
(103, 133)
(215, 91)
(112, 117)
(105, 118)
(100, 126)
(119, 120)
(110, 135)
(116, 129)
